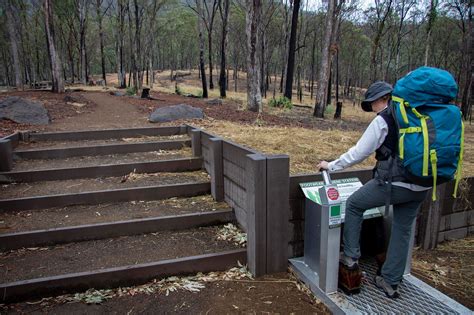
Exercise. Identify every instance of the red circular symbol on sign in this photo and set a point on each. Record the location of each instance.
(333, 194)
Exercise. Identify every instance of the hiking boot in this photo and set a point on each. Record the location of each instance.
(391, 291)
(350, 278)
(349, 262)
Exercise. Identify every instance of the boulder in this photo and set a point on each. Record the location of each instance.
(117, 93)
(214, 102)
(23, 111)
(175, 112)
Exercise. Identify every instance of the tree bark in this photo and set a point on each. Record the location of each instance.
(121, 73)
(320, 104)
(12, 33)
(224, 11)
(468, 67)
(101, 39)
(82, 17)
(382, 15)
(56, 66)
(431, 20)
(284, 44)
(252, 22)
(291, 51)
(201, 49)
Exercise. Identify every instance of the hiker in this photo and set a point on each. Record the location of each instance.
(380, 135)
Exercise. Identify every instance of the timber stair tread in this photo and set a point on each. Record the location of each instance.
(104, 149)
(65, 144)
(73, 186)
(74, 215)
(39, 262)
(108, 159)
(104, 170)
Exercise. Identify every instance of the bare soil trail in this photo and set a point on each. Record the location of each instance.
(110, 112)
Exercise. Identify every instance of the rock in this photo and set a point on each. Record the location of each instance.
(23, 111)
(117, 93)
(175, 112)
(214, 102)
(76, 104)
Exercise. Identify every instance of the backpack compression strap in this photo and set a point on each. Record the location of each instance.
(460, 160)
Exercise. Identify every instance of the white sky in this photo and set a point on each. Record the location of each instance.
(314, 4)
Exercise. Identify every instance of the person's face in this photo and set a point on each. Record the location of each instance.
(379, 105)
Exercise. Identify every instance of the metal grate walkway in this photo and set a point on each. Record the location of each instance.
(371, 300)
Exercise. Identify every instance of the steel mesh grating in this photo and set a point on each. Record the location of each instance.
(412, 300)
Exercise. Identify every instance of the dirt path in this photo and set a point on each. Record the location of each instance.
(111, 112)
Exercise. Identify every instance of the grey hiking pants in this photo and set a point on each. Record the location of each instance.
(405, 208)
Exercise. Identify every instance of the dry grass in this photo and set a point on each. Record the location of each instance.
(304, 146)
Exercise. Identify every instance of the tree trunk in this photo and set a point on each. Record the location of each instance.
(101, 39)
(378, 36)
(121, 73)
(291, 50)
(313, 61)
(82, 15)
(224, 10)
(137, 49)
(209, 38)
(56, 66)
(320, 104)
(285, 45)
(252, 22)
(201, 49)
(466, 99)
(431, 20)
(12, 33)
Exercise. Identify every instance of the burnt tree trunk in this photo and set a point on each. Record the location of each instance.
(82, 17)
(101, 39)
(56, 66)
(321, 95)
(121, 73)
(291, 51)
(253, 20)
(201, 49)
(224, 11)
(12, 34)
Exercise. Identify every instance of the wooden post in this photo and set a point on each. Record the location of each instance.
(217, 169)
(256, 170)
(196, 142)
(431, 226)
(6, 155)
(278, 212)
(183, 129)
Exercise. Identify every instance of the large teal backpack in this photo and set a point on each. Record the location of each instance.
(431, 131)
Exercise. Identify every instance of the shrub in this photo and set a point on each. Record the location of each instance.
(329, 110)
(281, 102)
(178, 90)
(131, 90)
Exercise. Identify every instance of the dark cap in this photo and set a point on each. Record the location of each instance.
(375, 91)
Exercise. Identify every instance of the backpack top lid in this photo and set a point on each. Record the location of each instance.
(426, 85)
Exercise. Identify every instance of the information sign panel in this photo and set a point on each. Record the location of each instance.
(345, 187)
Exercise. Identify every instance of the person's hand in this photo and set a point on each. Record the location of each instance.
(323, 165)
